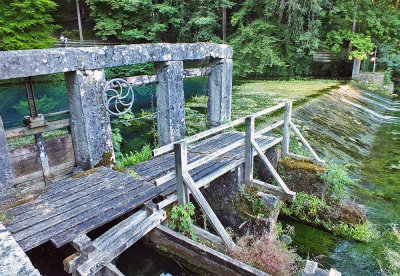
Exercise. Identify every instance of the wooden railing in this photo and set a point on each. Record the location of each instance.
(186, 185)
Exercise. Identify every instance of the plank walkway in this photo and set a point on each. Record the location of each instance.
(76, 206)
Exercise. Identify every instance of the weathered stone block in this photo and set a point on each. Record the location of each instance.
(90, 122)
(170, 102)
(13, 260)
(25, 63)
(220, 91)
(6, 174)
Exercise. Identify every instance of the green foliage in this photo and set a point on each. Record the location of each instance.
(359, 232)
(257, 207)
(311, 209)
(129, 70)
(388, 76)
(26, 24)
(337, 175)
(306, 207)
(181, 219)
(128, 160)
(133, 20)
(392, 255)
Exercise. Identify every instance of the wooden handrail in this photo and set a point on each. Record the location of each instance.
(206, 133)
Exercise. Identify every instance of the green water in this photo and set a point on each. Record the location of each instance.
(375, 157)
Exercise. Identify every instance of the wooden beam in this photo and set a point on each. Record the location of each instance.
(44, 161)
(209, 212)
(304, 141)
(272, 189)
(180, 169)
(286, 128)
(197, 254)
(214, 130)
(302, 158)
(198, 163)
(99, 258)
(271, 168)
(25, 131)
(248, 149)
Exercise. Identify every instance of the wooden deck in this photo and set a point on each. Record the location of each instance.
(76, 206)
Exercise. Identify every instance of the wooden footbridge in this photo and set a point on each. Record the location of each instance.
(67, 210)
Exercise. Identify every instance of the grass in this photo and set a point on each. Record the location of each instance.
(250, 96)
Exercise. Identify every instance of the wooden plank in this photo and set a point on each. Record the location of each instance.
(12, 133)
(313, 153)
(248, 151)
(213, 261)
(272, 189)
(60, 189)
(207, 237)
(108, 237)
(70, 212)
(181, 168)
(166, 202)
(106, 214)
(64, 206)
(271, 168)
(261, 132)
(209, 212)
(101, 257)
(196, 137)
(200, 162)
(286, 128)
(67, 230)
(210, 176)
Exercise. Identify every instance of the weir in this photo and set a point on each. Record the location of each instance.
(69, 207)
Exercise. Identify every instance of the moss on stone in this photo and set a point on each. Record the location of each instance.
(107, 161)
(302, 165)
(85, 173)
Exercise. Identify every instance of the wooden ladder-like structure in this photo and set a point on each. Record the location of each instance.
(96, 256)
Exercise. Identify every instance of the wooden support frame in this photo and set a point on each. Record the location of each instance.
(186, 183)
(283, 190)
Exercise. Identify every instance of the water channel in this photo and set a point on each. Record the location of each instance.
(349, 126)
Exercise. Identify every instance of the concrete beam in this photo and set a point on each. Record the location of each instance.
(220, 91)
(90, 122)
(6, 175)
(25, 63)
(170, 102)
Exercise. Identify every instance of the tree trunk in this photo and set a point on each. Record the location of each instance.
(353, 29)
(224, 23)
(397, 5)
(78, 12)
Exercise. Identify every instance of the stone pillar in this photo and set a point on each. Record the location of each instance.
(220, 91)
(90, 122)
(356, 68)
(170, 102)
(6, 176)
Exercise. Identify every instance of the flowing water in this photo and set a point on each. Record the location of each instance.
(362, 130)
(348, 126)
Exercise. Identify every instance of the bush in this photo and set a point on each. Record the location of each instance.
(338, 176)
(359, 232)
(181, 217)
(305, 207)
(267, 254)
(127, 160)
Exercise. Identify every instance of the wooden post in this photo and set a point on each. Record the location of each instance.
(180, 169)
(248, 154)
(43, 157)
(286, 127)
